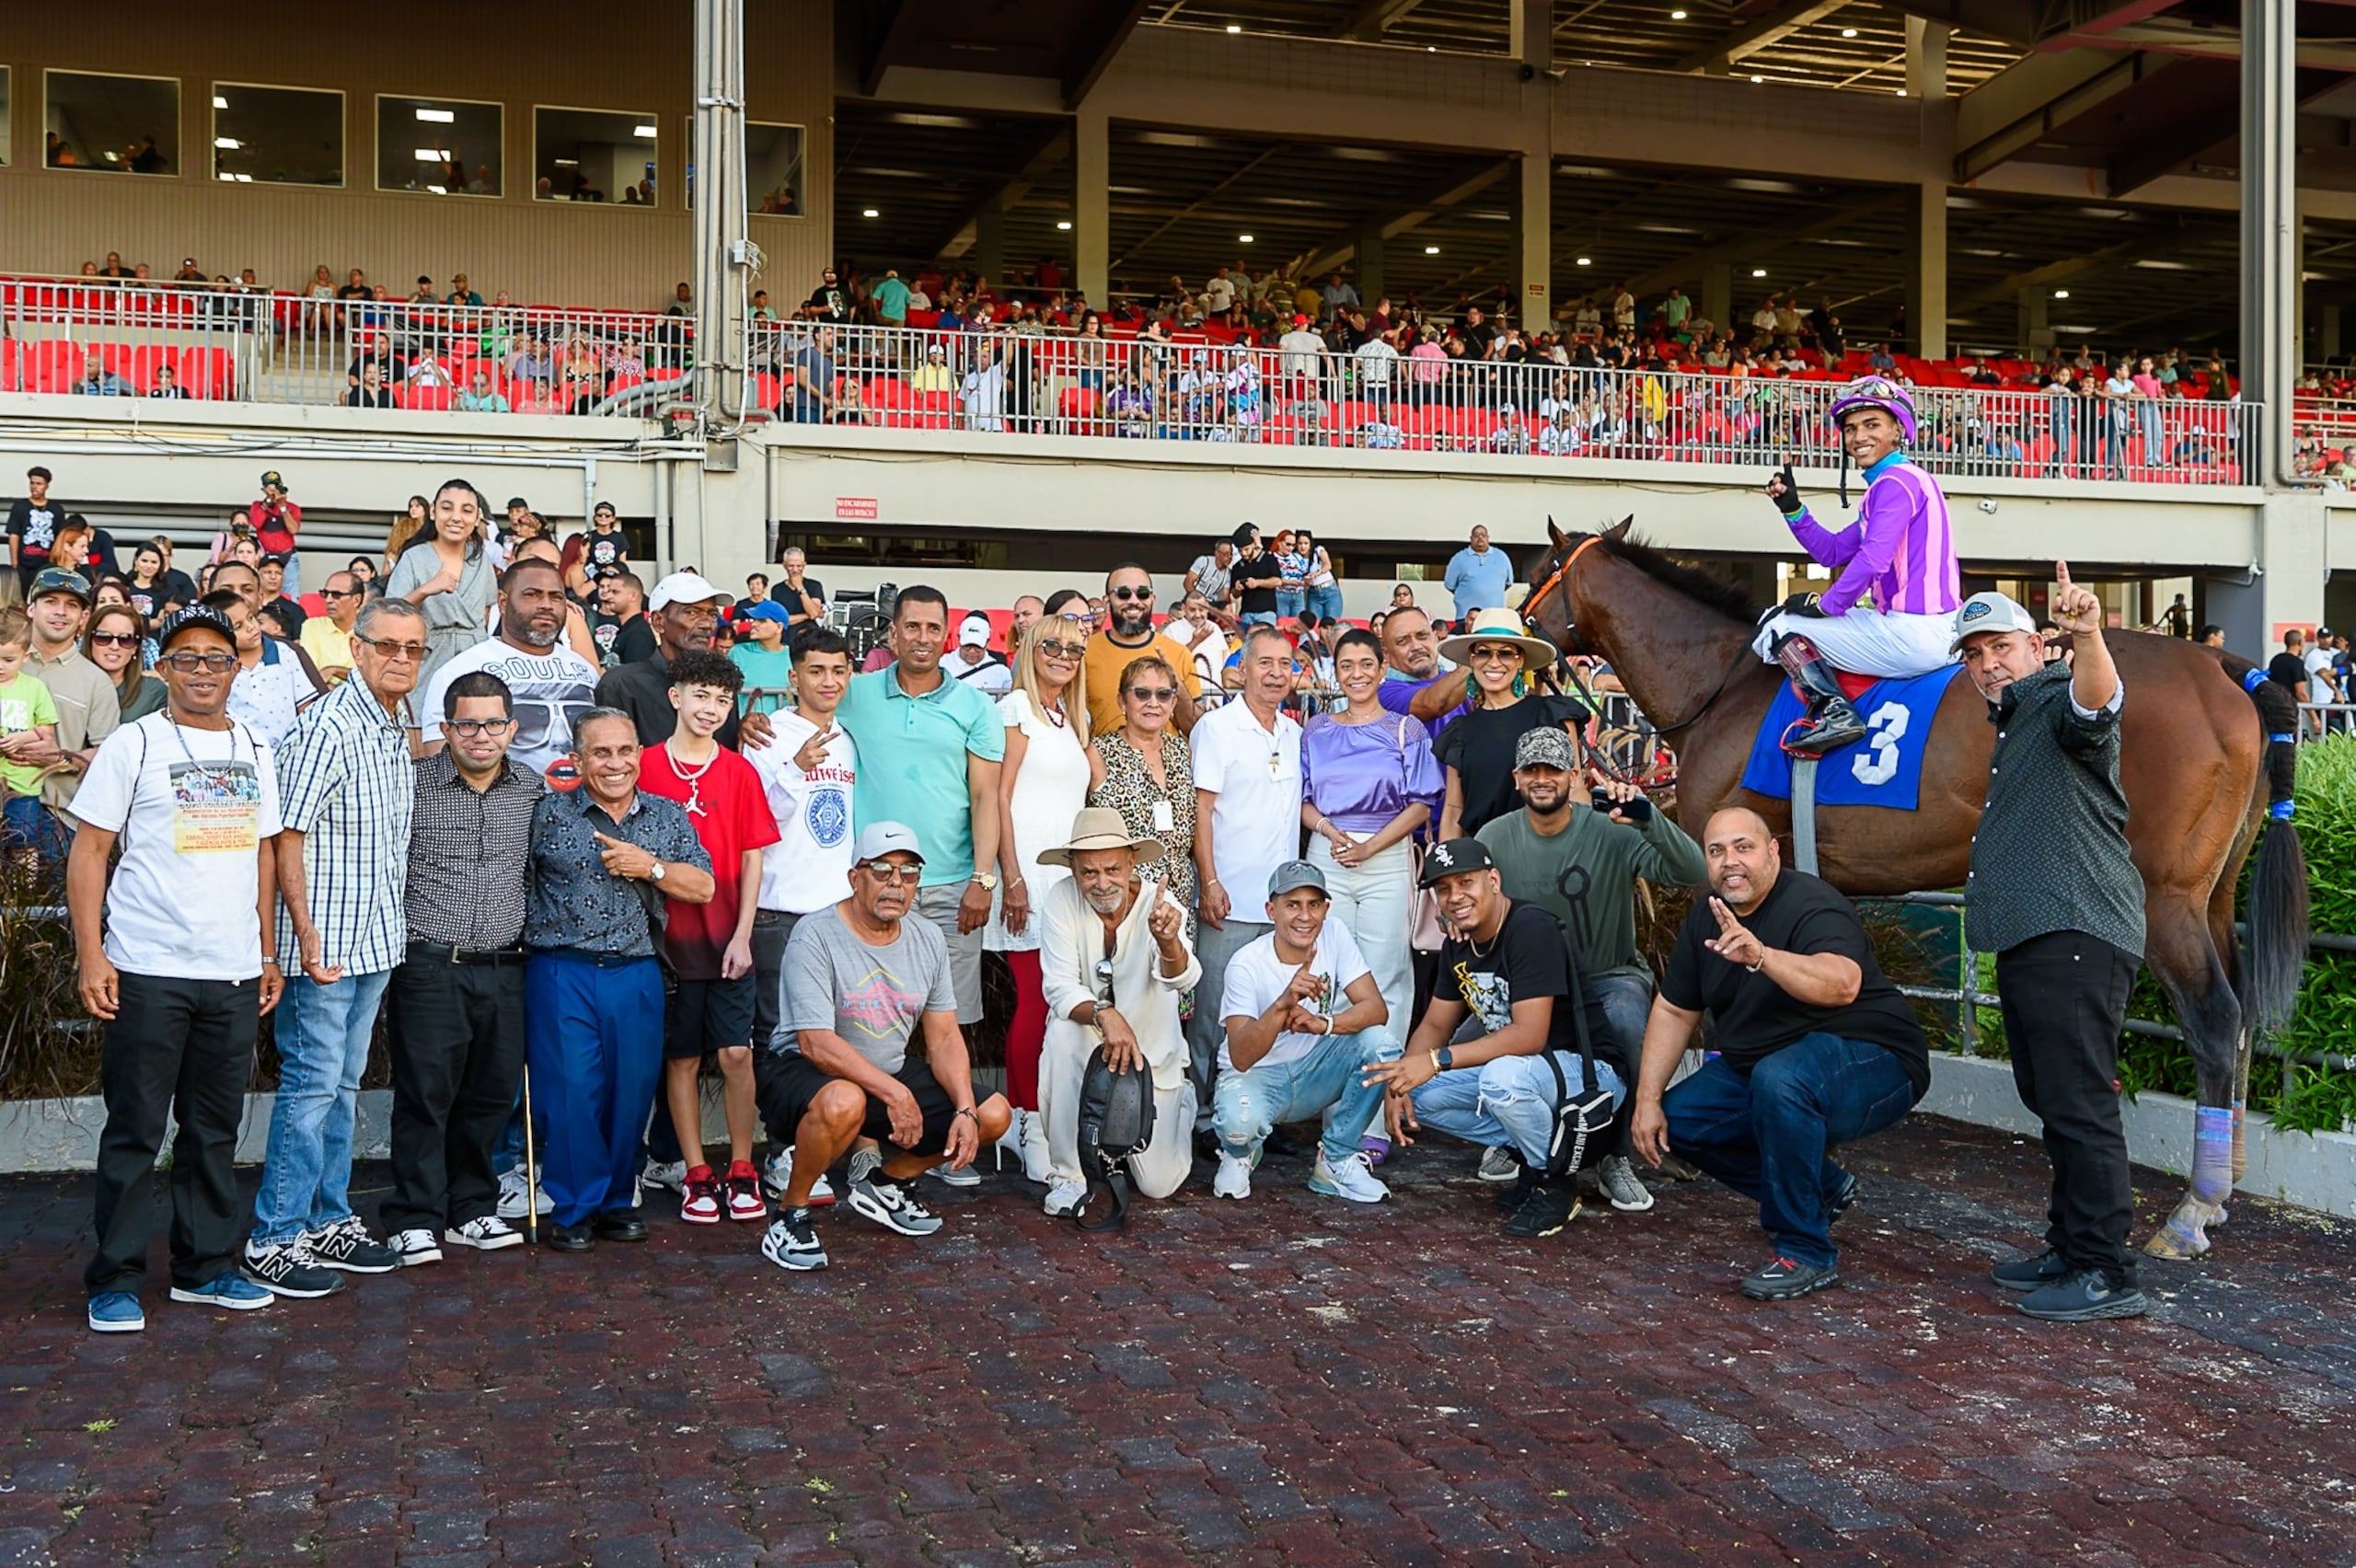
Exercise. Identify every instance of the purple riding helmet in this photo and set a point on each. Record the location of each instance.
(1875, 392)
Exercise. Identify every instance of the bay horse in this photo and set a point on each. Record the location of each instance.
(2193, 765)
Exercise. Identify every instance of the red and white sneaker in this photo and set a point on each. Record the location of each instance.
(744, 1187)
(701, 1204)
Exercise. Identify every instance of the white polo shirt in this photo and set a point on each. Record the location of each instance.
(1255, 821)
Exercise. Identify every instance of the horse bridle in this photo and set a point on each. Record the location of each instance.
(1554, 580)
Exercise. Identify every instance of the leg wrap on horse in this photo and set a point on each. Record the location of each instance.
(2212, 1154)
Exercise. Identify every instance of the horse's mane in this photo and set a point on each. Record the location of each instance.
(1716, 592)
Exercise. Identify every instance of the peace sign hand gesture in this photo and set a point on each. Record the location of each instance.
(1735, 942)
(2077, 610)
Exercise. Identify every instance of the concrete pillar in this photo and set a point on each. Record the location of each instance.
(1530, 26)
(1367, 264)
(2036, 335)
(2270, 282)
(2288, 590)
(1091, 203)
(1532, 306)
(1926, 59)
(990, 244)
(1926, 270)
(1718, 294)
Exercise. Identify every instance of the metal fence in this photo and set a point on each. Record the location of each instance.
(2317, 720)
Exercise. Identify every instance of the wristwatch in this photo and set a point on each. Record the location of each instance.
(985, 881)
(656, 870)
(1443, 1059)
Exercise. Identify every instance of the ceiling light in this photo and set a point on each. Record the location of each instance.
(1431, 48)
(1243, 239)
(438, 116)
(220, 102)
(2060, 294)
(433, 154)
(946, 121)
(226, 144)
(1677, 16)
(1759, 271)
(2167, 266)
(1848, 32)
(1235, 27)
(1065, 225)
(568, 163)
(646, 130)
(1431, 249)
(869, 213)
(1902, 92)
(1758, 78)
(1582, 262)
(111, 156)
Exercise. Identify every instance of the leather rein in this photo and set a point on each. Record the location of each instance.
(1555, 580)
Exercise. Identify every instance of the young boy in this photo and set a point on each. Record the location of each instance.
(26, 708)
(711, 945)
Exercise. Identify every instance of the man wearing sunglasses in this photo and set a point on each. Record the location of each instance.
(458, 996)
(342, 863)
(327, 638)
(1129, 635)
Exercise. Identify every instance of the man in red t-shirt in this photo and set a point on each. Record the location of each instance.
(711, 945)
(276, 522)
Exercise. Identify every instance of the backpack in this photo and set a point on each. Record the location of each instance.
(1585, 1120)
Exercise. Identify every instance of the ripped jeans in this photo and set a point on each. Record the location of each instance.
(1329, 1080)
(1507, 1101)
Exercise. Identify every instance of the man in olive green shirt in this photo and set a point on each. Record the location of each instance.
(1581, 865)
(87, 710)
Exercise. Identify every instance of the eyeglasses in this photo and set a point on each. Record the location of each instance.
(1496, 655)
(114, 639)
(883, 873)
(211, 663)
(1130, 593)
(1154, 694)
(386, 647)
(467, 729)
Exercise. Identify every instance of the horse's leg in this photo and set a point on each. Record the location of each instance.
(2220, 937)
(2184, 958)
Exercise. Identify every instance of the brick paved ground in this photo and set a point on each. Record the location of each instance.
(1293, 1381)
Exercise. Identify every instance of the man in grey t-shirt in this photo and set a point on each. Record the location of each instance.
(859, 979)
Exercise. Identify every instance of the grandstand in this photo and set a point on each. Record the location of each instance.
(1975, 194)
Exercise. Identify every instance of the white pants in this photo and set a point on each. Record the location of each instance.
(1866, 641)
(1372, 899)
(1163, 1166)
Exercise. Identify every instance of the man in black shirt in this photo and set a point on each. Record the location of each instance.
(2289, 668)
(1816, 1048)
(1506, 965)
(684, 611)
(1255, 578)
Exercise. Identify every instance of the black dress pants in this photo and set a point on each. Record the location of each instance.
(458, 1056)
(179, 1048)
(2064, 995)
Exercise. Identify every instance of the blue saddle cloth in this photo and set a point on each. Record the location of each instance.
(1884, 768)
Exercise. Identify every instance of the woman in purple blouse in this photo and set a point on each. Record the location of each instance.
(1367, 782)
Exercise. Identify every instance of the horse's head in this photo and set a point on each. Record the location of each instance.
(1548, 604)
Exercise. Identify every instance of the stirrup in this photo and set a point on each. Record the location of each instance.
(1835, 726)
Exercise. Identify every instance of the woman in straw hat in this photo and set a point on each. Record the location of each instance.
(1504, 663)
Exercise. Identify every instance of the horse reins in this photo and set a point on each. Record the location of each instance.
(1554, 580)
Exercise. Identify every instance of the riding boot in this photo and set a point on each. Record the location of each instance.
(1831, 722)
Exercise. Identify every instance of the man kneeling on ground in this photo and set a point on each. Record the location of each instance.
(1815, 1048)
(1506, 963)
(858, 978)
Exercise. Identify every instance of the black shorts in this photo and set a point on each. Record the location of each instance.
(703, 1016)
(785, 1095)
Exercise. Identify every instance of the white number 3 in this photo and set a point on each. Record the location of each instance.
(1878, 764)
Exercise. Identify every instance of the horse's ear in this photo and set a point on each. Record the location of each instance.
(1620, 530)
(1556, 535)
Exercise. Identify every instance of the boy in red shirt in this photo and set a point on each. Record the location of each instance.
(711, 945)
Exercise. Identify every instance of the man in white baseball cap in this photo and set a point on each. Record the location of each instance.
(1989, 611)
(972, 662)
(684, 610)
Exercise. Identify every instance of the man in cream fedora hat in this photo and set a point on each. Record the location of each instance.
(1113, 961)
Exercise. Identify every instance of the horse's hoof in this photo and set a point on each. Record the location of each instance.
(2185, 1236)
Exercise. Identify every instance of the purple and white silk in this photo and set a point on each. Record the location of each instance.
(1902, 546)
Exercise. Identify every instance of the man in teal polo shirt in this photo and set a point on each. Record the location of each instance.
(936, 745)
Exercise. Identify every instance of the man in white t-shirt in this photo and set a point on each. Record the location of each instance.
(552, 686)
(810, 773)
(1303, 1020)
(1247, 823)
(2323, 684)
(187, 966)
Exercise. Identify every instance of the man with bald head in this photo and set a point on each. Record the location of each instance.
(1816, 1048)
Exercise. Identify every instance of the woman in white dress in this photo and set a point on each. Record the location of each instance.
(1042, 785)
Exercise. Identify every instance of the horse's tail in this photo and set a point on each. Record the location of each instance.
(2278, 881)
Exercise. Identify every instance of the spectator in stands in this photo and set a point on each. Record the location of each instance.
(427, 371)
(983, 394)
(116, 642)
(933, 376)
(829, 302)
(447, 578)
(462, 293)
(371, 391)
(972, 662)
(1478, 575)
(803, 596)
(813, 393)
(620, 628)
(481, 396)
(892, 300)
(97, 381)
(272, 569)
(167, 383)
(327, 638)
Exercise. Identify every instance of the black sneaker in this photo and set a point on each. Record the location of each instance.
(1842, 1197)
(1786, 1279)
(288, 1269)
(2084, 1295)
(348, 1247)
(1545, 1210)
(2031, 1274)
(1513, 1198)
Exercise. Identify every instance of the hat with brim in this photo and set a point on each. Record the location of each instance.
(1100, 827)
(1498, 623)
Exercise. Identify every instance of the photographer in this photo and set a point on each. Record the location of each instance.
(276, 521)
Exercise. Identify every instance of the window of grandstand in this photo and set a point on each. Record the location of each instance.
(6, 78)
(277, 135)
(772, 170)
(440, 146)
(593, 154)
(111, 124)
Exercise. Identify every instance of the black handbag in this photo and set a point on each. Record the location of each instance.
(1116, 1122)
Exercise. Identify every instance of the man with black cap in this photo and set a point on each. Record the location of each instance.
(179, 961)
(276, 522)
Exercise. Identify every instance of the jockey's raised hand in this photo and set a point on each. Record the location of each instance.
(1784, 491)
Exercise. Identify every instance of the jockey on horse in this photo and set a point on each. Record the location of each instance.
(1902, 548)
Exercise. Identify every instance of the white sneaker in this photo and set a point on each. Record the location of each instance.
(1065, 1197)
(488, 1234)
(1234, 1178)
(511, 1196)
(669, 1174)
(778, 1175)
(416, 1247)
(1354, 1179)
(1036, 1165)
(1618, 1179)
(965, 1177)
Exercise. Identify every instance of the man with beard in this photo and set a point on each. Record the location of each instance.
(550, 684)
(1129, 634)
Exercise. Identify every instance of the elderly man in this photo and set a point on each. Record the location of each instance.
(605, 856)
(861, 980)
(1478, 575)
(348, 780)
(2055, 895)
(684, 611)
(1128, 634)
(1815, 1048)
(88, 709)
(327, 638)
(1115, 961)
(457, 997)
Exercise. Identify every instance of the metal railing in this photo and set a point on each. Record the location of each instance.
(2317, 720)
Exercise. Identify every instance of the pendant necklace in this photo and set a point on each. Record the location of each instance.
(694, 782)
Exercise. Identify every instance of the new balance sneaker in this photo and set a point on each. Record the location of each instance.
(779, 1175)
(960, 1176)
(876, 1196)
(741, 1186)
(1500, 1165)
(1065, 1197)
(1618, 1179)
(117, 1312)
(288, 1269)
(701, 1205)
(1787, 1279)
(1352, 1178)
(1234, 1178)
(2083, 1296)
(1545, 1209)
(348, 1246)
(2032, 1273)
(792, 1242)
(671, 1175)
(487, 1234)
(511, 1196)
(415, 1247)
(230, 1291)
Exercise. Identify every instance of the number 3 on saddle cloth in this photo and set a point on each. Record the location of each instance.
(1884, 768)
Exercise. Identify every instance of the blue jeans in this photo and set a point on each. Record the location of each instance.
(1766, 1136)
(323, 1033)
(1289, 603)
(1329, 1080)
(1506, 1101)
(1257, 618)
(1325, 602)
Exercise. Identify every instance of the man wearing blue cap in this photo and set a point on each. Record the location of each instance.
(760, 651)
